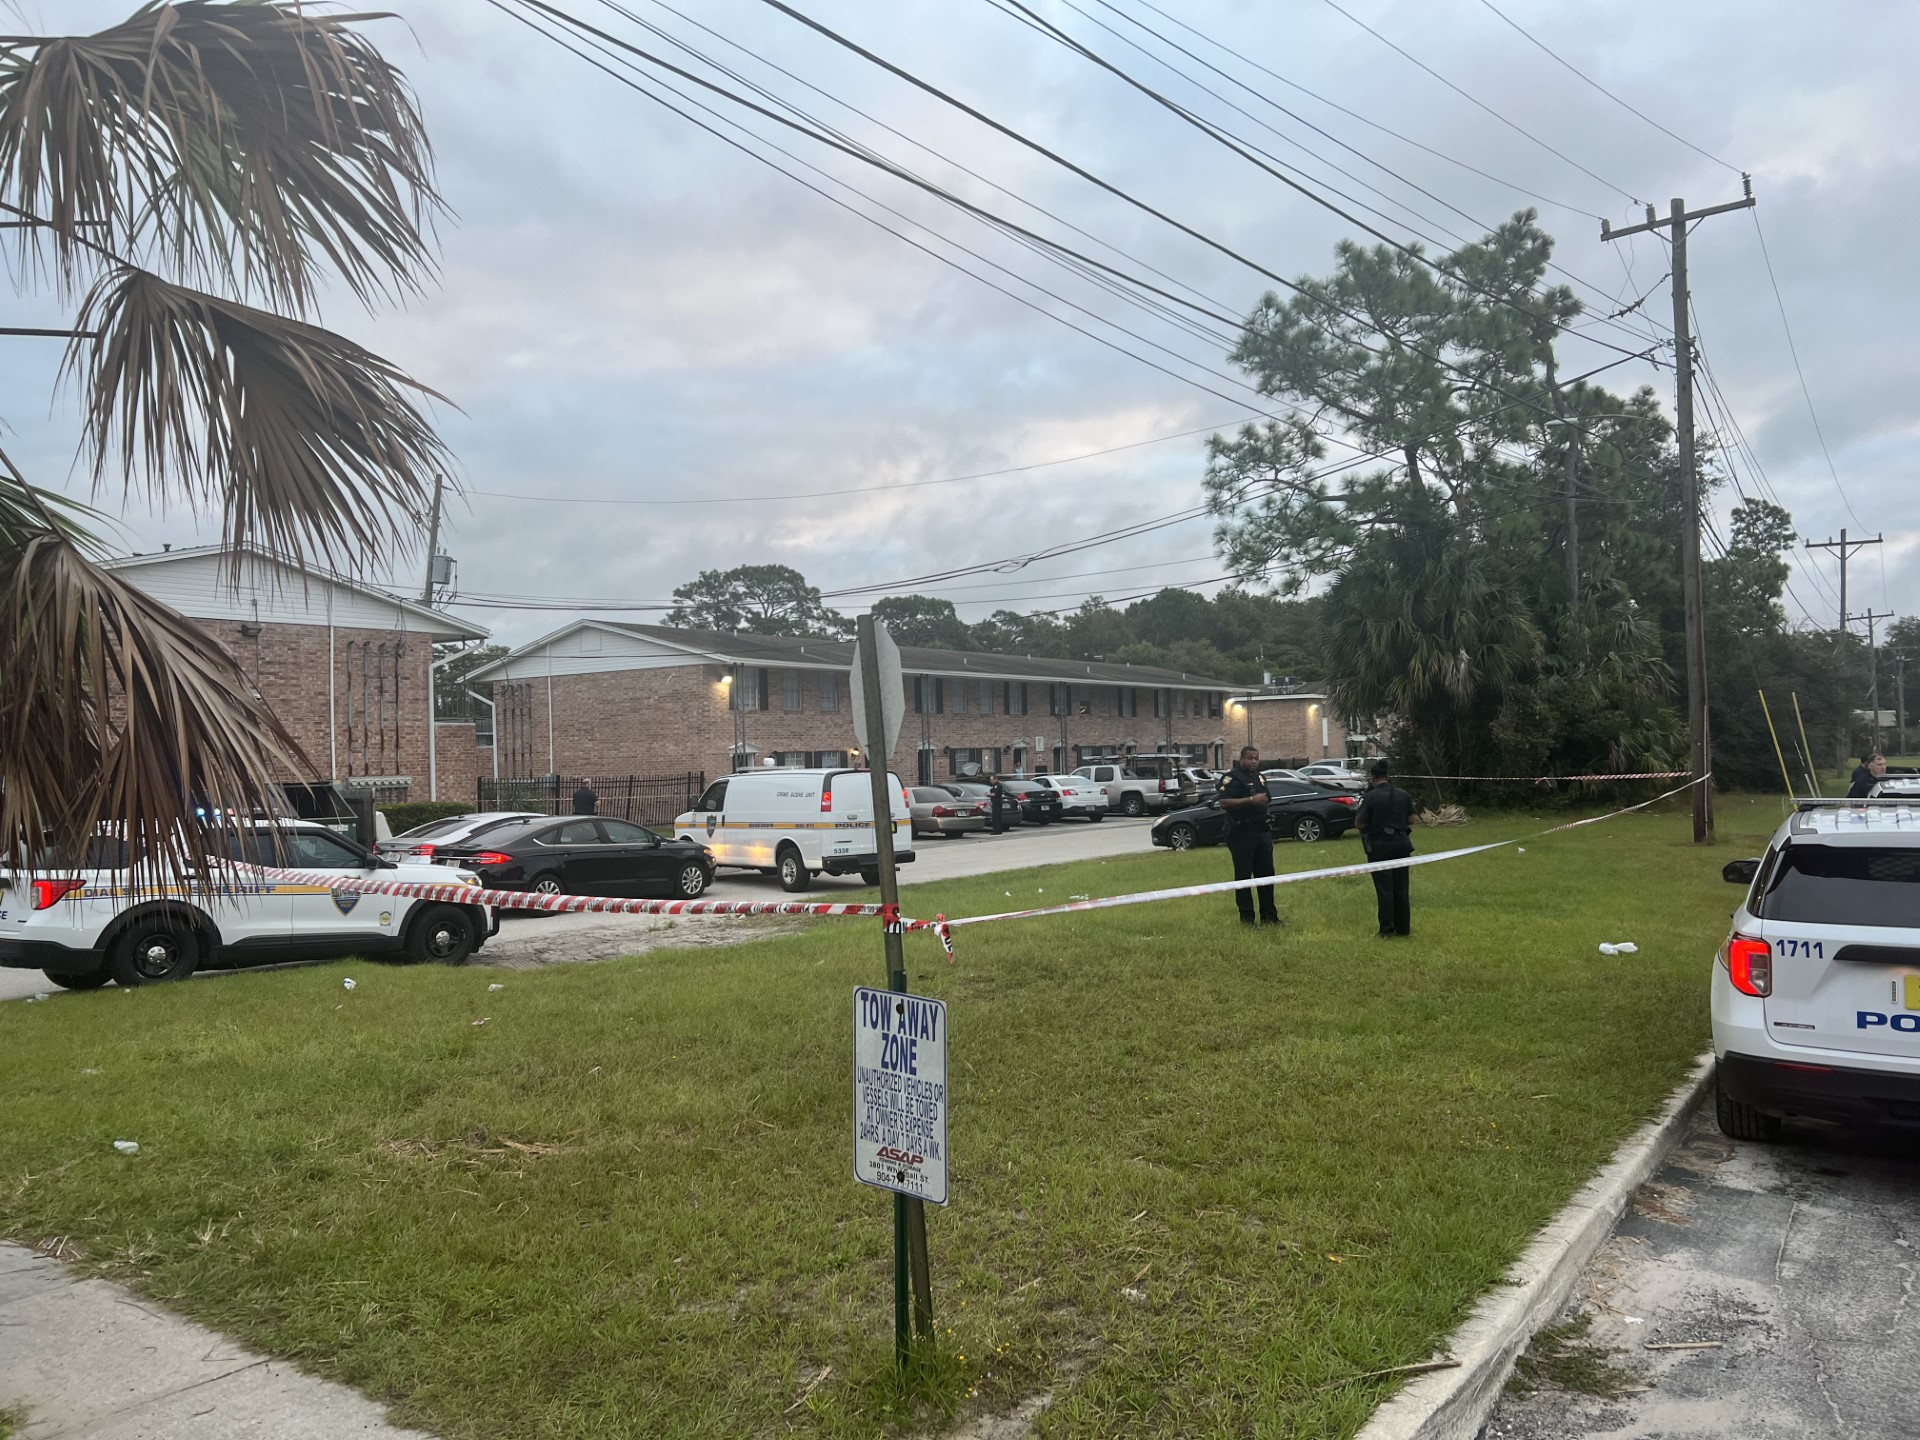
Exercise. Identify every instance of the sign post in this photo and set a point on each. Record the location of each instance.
(880, 707)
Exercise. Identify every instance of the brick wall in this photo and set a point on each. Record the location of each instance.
(288, 665)
(462, 761)
(664, 721)
(1288, 729)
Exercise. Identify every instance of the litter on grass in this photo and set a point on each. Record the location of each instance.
(347, 984)
(127, 1147)
(495, 986)
(1620, 947)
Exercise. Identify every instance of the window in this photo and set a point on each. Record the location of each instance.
(1059, 699)
(715, 798)
(960, 696)
(749, 690)
(619, 832)
(987, 687)
(1103, 701)
(1183, 704)
(315, 850)
(1129, 701)
(790, 698)
(1016, 697)
(1213, 704)
(929, 695)
(829, 690)
(1162, 704)
(574, 832)
(1843, 885)
(964, 764)
(1083, 701)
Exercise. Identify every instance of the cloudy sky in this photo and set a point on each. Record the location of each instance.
(638, 322)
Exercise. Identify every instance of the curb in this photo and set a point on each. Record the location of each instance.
(1454, 1404)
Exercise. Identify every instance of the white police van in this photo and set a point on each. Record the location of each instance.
(87, 924)
(1816, 993)
(795, 824)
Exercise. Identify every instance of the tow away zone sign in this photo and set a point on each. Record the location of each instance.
(900, 1093)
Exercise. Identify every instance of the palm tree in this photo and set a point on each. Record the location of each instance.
(190, 178)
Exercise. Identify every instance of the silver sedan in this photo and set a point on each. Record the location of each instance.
(940, 812)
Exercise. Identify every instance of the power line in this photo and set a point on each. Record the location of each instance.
(861, 489)
(1482, 105)
(1606, 92)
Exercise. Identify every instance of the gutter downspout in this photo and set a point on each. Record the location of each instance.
(333, 734)
(550, 763)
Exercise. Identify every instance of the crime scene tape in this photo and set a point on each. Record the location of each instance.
(941, 926)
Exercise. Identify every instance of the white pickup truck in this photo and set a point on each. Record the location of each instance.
(1148, 789)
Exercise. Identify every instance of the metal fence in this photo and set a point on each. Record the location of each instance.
(643, 799)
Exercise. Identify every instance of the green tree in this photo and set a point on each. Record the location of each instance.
(454, 664)
(1007, 632)
(195, 174)
(756, 600)
(923, 620)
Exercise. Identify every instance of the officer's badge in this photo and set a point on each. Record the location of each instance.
(345, 900)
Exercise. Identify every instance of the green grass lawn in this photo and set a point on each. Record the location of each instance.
(1201, 1175)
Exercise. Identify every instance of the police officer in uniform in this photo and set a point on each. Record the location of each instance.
(1244, 796)
(1385, 823)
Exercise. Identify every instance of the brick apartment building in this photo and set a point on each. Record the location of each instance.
(346, 666)
(603, 698)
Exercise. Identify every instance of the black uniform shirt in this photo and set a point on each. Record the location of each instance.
(1862, 785)
(585, 802)
(1239, 786)
(1385, 816)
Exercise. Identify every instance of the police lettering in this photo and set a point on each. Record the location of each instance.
(1873, 1019)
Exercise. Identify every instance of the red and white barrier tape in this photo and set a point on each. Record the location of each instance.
(890, 915)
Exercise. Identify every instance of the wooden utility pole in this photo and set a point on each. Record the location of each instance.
(433, 542)
(1847, 549)
(1678, 218)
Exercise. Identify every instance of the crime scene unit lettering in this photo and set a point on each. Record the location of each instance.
(900, 1093)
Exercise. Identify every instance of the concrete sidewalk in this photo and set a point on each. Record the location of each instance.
(85, 1358)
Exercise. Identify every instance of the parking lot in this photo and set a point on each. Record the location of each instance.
(1790, 1267)
(560, 939)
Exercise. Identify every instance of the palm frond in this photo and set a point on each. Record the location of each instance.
(119, 711)
(307, 442)
(244, 142)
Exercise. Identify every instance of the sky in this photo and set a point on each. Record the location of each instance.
(634, 320)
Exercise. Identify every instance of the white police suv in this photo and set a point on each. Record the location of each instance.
(88, 924)
(1816, 994)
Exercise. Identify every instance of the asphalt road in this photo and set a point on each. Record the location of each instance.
(1798, 1258)
(529, 941)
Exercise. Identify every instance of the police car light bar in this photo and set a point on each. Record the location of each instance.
(1840, 802)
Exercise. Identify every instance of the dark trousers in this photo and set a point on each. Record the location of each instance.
(1252, 852)
(1390, 890)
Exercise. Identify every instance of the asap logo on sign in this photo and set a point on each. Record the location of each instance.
(895, 1156)
(1874, 1019)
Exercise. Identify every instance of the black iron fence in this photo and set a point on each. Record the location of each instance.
(643, 799)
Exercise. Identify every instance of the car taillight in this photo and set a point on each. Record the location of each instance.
(826, 796)
(1345, 799)
(942, 812)
(1163, 787)
(489, 857)
(424, 851)
(1750, 966)
(48, 893)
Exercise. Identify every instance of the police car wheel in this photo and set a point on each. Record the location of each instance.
(1743, 1122)
(792, 870)
(1308, 828)
(67, 980)
(1134, 805)
(1181, 837)
(444, 935)
(152, 952)
(693, 881)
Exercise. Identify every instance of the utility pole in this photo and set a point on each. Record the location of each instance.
(433, 542)
(1900, 700)
(1847, 549)
(1873, 619)
(1678, 218)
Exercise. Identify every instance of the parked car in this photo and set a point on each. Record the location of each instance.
(1303, 811)
(1815, 998)
(1205, 783)
(982, 795)
(1080, 799)
(1341, 774)
(795, 824)
(584, 855)
(937, 811)
(97, 921)
(1127, 790)
(423, 841)
(1171, 772)
(1038, 804)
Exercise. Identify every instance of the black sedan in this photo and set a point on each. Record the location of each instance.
(584, 855)
(1038, 805)
(1306, 812)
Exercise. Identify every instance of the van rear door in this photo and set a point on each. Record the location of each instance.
(1842, 923)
